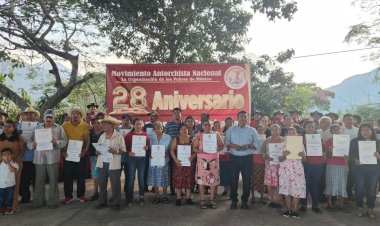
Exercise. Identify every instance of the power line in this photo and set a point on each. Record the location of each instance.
(336, 52)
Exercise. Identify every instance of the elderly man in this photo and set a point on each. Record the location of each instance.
(76, 130)
(28, 170)
(46, 161)
(242, 140)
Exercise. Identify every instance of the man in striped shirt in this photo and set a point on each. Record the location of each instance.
(241, 140)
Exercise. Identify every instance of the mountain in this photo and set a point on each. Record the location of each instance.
(356, 90)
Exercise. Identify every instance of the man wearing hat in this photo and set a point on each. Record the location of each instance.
(27, 128)
(316, 115)
(334, 117)
(46, 162)
(76, 130)
(92, 113)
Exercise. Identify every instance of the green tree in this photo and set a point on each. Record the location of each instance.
(55, 31)
(178, 31)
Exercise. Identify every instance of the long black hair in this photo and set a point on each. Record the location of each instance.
(14, 137)
(373, 136)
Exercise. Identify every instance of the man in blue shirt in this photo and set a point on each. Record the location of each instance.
(241, 140)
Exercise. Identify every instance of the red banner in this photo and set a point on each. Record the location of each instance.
(221, 90)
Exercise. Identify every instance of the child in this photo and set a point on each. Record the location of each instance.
(8, 168)
(336, 174)
(292, 178)
(271, 168)
(258, 169)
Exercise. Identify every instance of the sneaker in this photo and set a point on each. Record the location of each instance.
(294, 215)
(233, 206)
(67, 200)
(286, 214)
(83, 199)
(9, 212)
(316, 210)
(178, 202)
(141, 201)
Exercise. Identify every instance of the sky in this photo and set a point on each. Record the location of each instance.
(318, 27)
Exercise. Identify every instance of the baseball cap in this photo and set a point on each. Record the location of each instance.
(49, 113)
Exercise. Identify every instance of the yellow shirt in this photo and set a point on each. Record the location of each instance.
(76, 132)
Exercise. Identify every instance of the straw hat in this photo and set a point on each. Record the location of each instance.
(32, 110)
(111, 120)
(76, 108)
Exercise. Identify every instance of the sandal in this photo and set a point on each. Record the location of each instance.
(165, 200)
(213, 204)
(203, 204)
(156, 200)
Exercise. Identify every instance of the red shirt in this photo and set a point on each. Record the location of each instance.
(128, 141)
(314, 160)
(334, 160)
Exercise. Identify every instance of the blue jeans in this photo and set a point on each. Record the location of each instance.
(366, 177)
(6, 197)
(313, 174)
(241, 164)
(139, 164)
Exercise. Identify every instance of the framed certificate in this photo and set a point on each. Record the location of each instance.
(274, 153)
(209, 143)
(138, 144)
(294, 145)
(367, 151)
(183, 154)
(341, 145)
(313, 144)
(158, 155)
(43, 138)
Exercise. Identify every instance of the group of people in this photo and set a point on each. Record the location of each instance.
(180, 157)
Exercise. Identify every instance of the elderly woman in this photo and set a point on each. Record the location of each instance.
(158, 176)
(109, 161)
(183, 176)
(207, 168)
(10, 139)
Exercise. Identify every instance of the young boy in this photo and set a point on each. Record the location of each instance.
(8, 168)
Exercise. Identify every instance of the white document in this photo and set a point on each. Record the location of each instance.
(158, 155)
(74, 149)
(209, 143)
(313, 144)
(274, 153)
(27, 130)
(43, 138)
(341, 145)
(367, 151)
(103, 149)
(138, 144)
(183, 154)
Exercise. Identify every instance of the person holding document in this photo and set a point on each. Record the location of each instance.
(292, 182)
(46, 159)
(313, 166)
(242, 140)
(270, 151)
(206, 145)
(364, 150)
(74, 166)
(137, 143)
(158, 173)
(109, 149)
(337, 169)
(183, 168)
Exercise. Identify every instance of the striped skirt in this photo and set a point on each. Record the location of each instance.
(336, 180)
(158, 176)
(257, 179)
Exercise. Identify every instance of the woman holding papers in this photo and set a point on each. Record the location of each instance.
(313, 166)
(183, 170)
(207, 144)
(364, 152)
(11, 139)
(291, 173)
(270, 151)
(224, 161)
(337, 168)
(137, 143)
(109, 148)
(158, 173)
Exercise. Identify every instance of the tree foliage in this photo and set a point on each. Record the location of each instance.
(176, 31)
(52, 30)
(368, 31)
